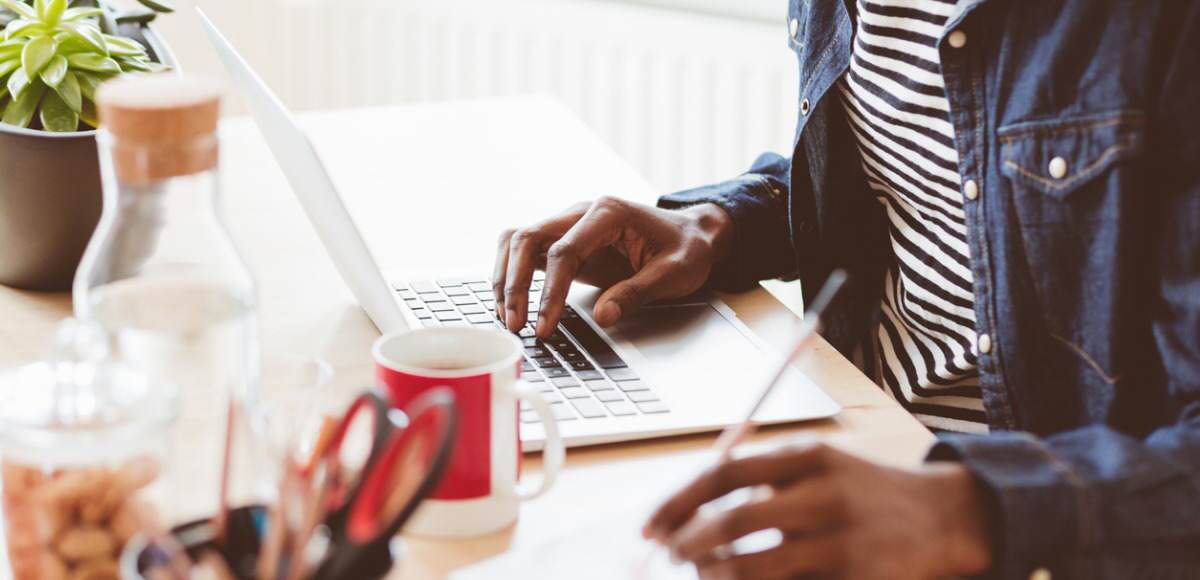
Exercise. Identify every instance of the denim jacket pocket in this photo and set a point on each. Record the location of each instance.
(1075, 183)
(1057, 157)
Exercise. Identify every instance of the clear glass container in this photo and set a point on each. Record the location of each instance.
(83, 442)
(166, 282)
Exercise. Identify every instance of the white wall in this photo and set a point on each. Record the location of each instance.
(688, 91)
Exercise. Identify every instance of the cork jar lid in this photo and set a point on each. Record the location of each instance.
(162, 125)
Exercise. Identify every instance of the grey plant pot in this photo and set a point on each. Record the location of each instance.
(50, 195)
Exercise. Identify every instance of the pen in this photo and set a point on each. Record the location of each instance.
(809, 327)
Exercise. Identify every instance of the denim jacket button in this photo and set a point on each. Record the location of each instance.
(984, 342)
(1041, 574)
(1058, 168)
(804, 107)
(957, 39)
(793, 27)
(971, 190)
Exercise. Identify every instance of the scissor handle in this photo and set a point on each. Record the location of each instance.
(337, 494)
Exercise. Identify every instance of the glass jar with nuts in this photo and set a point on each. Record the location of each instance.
(82, 442)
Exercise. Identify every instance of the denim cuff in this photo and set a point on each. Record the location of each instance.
(1038, 504)
(761, 239)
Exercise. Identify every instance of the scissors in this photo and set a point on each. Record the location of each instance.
(356, 505)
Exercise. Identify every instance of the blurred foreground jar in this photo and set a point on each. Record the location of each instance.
(162, 276)
(82, 442)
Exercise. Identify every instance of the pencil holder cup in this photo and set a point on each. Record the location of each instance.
(145, 559)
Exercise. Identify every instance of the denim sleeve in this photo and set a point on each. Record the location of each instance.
(757, 203)
(1098, 502)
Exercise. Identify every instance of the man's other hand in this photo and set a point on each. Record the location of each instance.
(636, 253)
(839, 516)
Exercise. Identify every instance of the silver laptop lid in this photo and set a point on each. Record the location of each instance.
(313, 187)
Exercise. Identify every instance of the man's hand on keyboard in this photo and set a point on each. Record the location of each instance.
(637, 253)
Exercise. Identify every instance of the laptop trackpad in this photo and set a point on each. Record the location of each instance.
(687, 350)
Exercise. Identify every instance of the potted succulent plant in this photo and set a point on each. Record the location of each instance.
(53, 55)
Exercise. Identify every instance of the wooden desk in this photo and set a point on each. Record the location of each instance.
(430, 186)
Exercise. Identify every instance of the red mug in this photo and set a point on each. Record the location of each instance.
(479, 492)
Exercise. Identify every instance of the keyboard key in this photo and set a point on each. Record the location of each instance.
(480, 286)
(571, 353)
(545, 387)
(562, 412)
(456, 291)
(536, 352)
(527, 332)
(447, 316)
(589, 408)
(652, 407)
(601, 352)
(486, 295)
(430, 322)
(531, 317)
(441, 307)
(621, 408)
(421, 313)
(423, 287)
(527, 366)
(590, 375)
(642, 396)
(552, 397)
(404, 292)
(450, 282)
(475, 309)
(575, 393)
(631, 386)
(555, 373)
(595, 386)
(622, 374)
(539, 275)
(532, 377)
(580, 365)
(490, 305)
(565, 382)
(480, 318)
(530, 417)
(547, 362)
(529, 341)
(462, 300)
(609, 396)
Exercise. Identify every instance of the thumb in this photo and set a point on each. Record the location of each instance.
(646, 285)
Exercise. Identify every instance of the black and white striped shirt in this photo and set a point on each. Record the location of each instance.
(896, 103)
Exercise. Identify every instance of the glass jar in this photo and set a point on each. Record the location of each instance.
(82, 442)
(163, 277)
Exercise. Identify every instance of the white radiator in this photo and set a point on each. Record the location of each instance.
(687, 98)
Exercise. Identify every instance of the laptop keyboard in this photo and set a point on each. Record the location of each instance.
(578, 373)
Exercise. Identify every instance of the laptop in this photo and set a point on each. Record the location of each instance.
(673, 368)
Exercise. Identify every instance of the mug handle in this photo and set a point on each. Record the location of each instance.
(553, 452)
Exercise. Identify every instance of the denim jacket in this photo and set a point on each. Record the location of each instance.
(1087, 282)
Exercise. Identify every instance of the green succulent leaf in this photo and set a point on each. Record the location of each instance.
(20, 8)
(54, 72)
(118, 46)
(87, 32)
(57, 116)
(88, 115)
(93, 62)
(17, 83)
(40, 7)
(54, 11)
(81, 12)
(20, 110)
(38, 54)
(134, 64)
(89, 82)
(11, 48)
(24, 27)
(157, 5)
(70, 92)
(7, 66)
